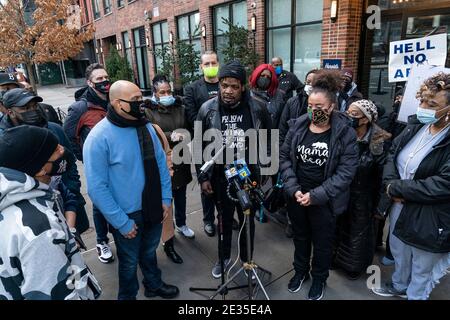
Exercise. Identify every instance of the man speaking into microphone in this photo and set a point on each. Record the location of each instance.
(233, 112)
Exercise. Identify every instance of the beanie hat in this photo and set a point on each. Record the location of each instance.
(347, 73)
(368, 108)
(26, 148)
(233, 69)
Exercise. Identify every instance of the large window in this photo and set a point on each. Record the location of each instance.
(188, 28)
(127, 46)
(236, 13)
(96, 9)
(160, 32)
(141, 58)
(107, 6)
(294, 33)
(120, 3)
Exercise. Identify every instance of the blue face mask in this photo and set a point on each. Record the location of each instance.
(167, 100)
(426, 116)
(278, 70)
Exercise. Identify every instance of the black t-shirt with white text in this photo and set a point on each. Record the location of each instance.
(213, 89)
(235, 122)
(312, 154)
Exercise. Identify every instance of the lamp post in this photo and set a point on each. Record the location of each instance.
(204, 36)
(253, 28)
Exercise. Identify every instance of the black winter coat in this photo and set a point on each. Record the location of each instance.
(209, 115)
(169, 119)
(356, 227)
(195, 95)
(424, 222)
(294, 108)
(274, 104)
(340, 168)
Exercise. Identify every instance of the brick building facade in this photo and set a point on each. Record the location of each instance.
(302, 32)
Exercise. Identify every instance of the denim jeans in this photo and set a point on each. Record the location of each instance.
(101, 226)
(139, 250)
(179, 199)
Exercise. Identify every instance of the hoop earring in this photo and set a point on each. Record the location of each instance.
(446, 118)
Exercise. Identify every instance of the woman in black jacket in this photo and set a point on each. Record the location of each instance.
(317, 162)
(357, 226)
(264, 84)
(168, 113)
(417, 180)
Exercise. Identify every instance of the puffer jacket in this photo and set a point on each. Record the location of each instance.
(340, 168)
(39, 256)
(356, 227)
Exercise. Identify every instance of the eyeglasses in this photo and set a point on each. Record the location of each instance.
(130, 102)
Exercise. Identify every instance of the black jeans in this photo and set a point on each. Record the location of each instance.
(314, 225)
(179, 199)
(228, 207)
(141, 251)
(208, 209)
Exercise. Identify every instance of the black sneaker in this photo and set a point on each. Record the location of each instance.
(210, 229)
(295, 284)
(316, 290)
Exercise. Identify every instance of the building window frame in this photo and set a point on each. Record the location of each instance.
(96, 9)
(230, 18)
(120, 3)
(161, 44)
(293, 25)
(192, 37)
(107, 7)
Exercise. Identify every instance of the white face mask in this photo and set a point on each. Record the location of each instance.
(308, 88)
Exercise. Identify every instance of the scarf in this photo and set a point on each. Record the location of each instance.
(152, 210)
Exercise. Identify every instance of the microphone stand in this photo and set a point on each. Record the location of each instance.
(223, 289)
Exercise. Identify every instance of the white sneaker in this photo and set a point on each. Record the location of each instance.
(104, 252)
(186, 231)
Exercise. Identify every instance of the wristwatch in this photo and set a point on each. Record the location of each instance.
(73, 230)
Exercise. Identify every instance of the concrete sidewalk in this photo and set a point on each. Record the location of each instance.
(273, 251)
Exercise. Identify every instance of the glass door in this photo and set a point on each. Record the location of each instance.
(380, 90)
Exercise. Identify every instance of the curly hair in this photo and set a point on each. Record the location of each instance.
(432, 86)
(327, 82)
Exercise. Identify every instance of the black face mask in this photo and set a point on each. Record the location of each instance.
(354, 122)
(348, 86)
(59, 166)
(136, 108)
(33, 118)
(263, 83)
(103, 87)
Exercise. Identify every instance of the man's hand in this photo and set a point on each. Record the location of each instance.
(133, 233)
(207, 188)
(167, 210)
(305, 200)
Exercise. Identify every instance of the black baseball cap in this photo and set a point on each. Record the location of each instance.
(18, 98)
(8, 78)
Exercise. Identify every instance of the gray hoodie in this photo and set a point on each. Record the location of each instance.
(39, 258)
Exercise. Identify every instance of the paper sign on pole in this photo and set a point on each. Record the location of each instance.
(405, 54)
(417, 77)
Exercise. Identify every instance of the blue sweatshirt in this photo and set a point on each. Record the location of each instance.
(115, 172)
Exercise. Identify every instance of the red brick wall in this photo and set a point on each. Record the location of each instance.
(341, 39)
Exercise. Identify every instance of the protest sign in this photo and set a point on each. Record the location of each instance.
(405, 54)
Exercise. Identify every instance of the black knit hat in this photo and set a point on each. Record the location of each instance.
(233, 69)
(26, 148)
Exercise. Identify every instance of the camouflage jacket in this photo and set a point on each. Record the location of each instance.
(39, 258)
